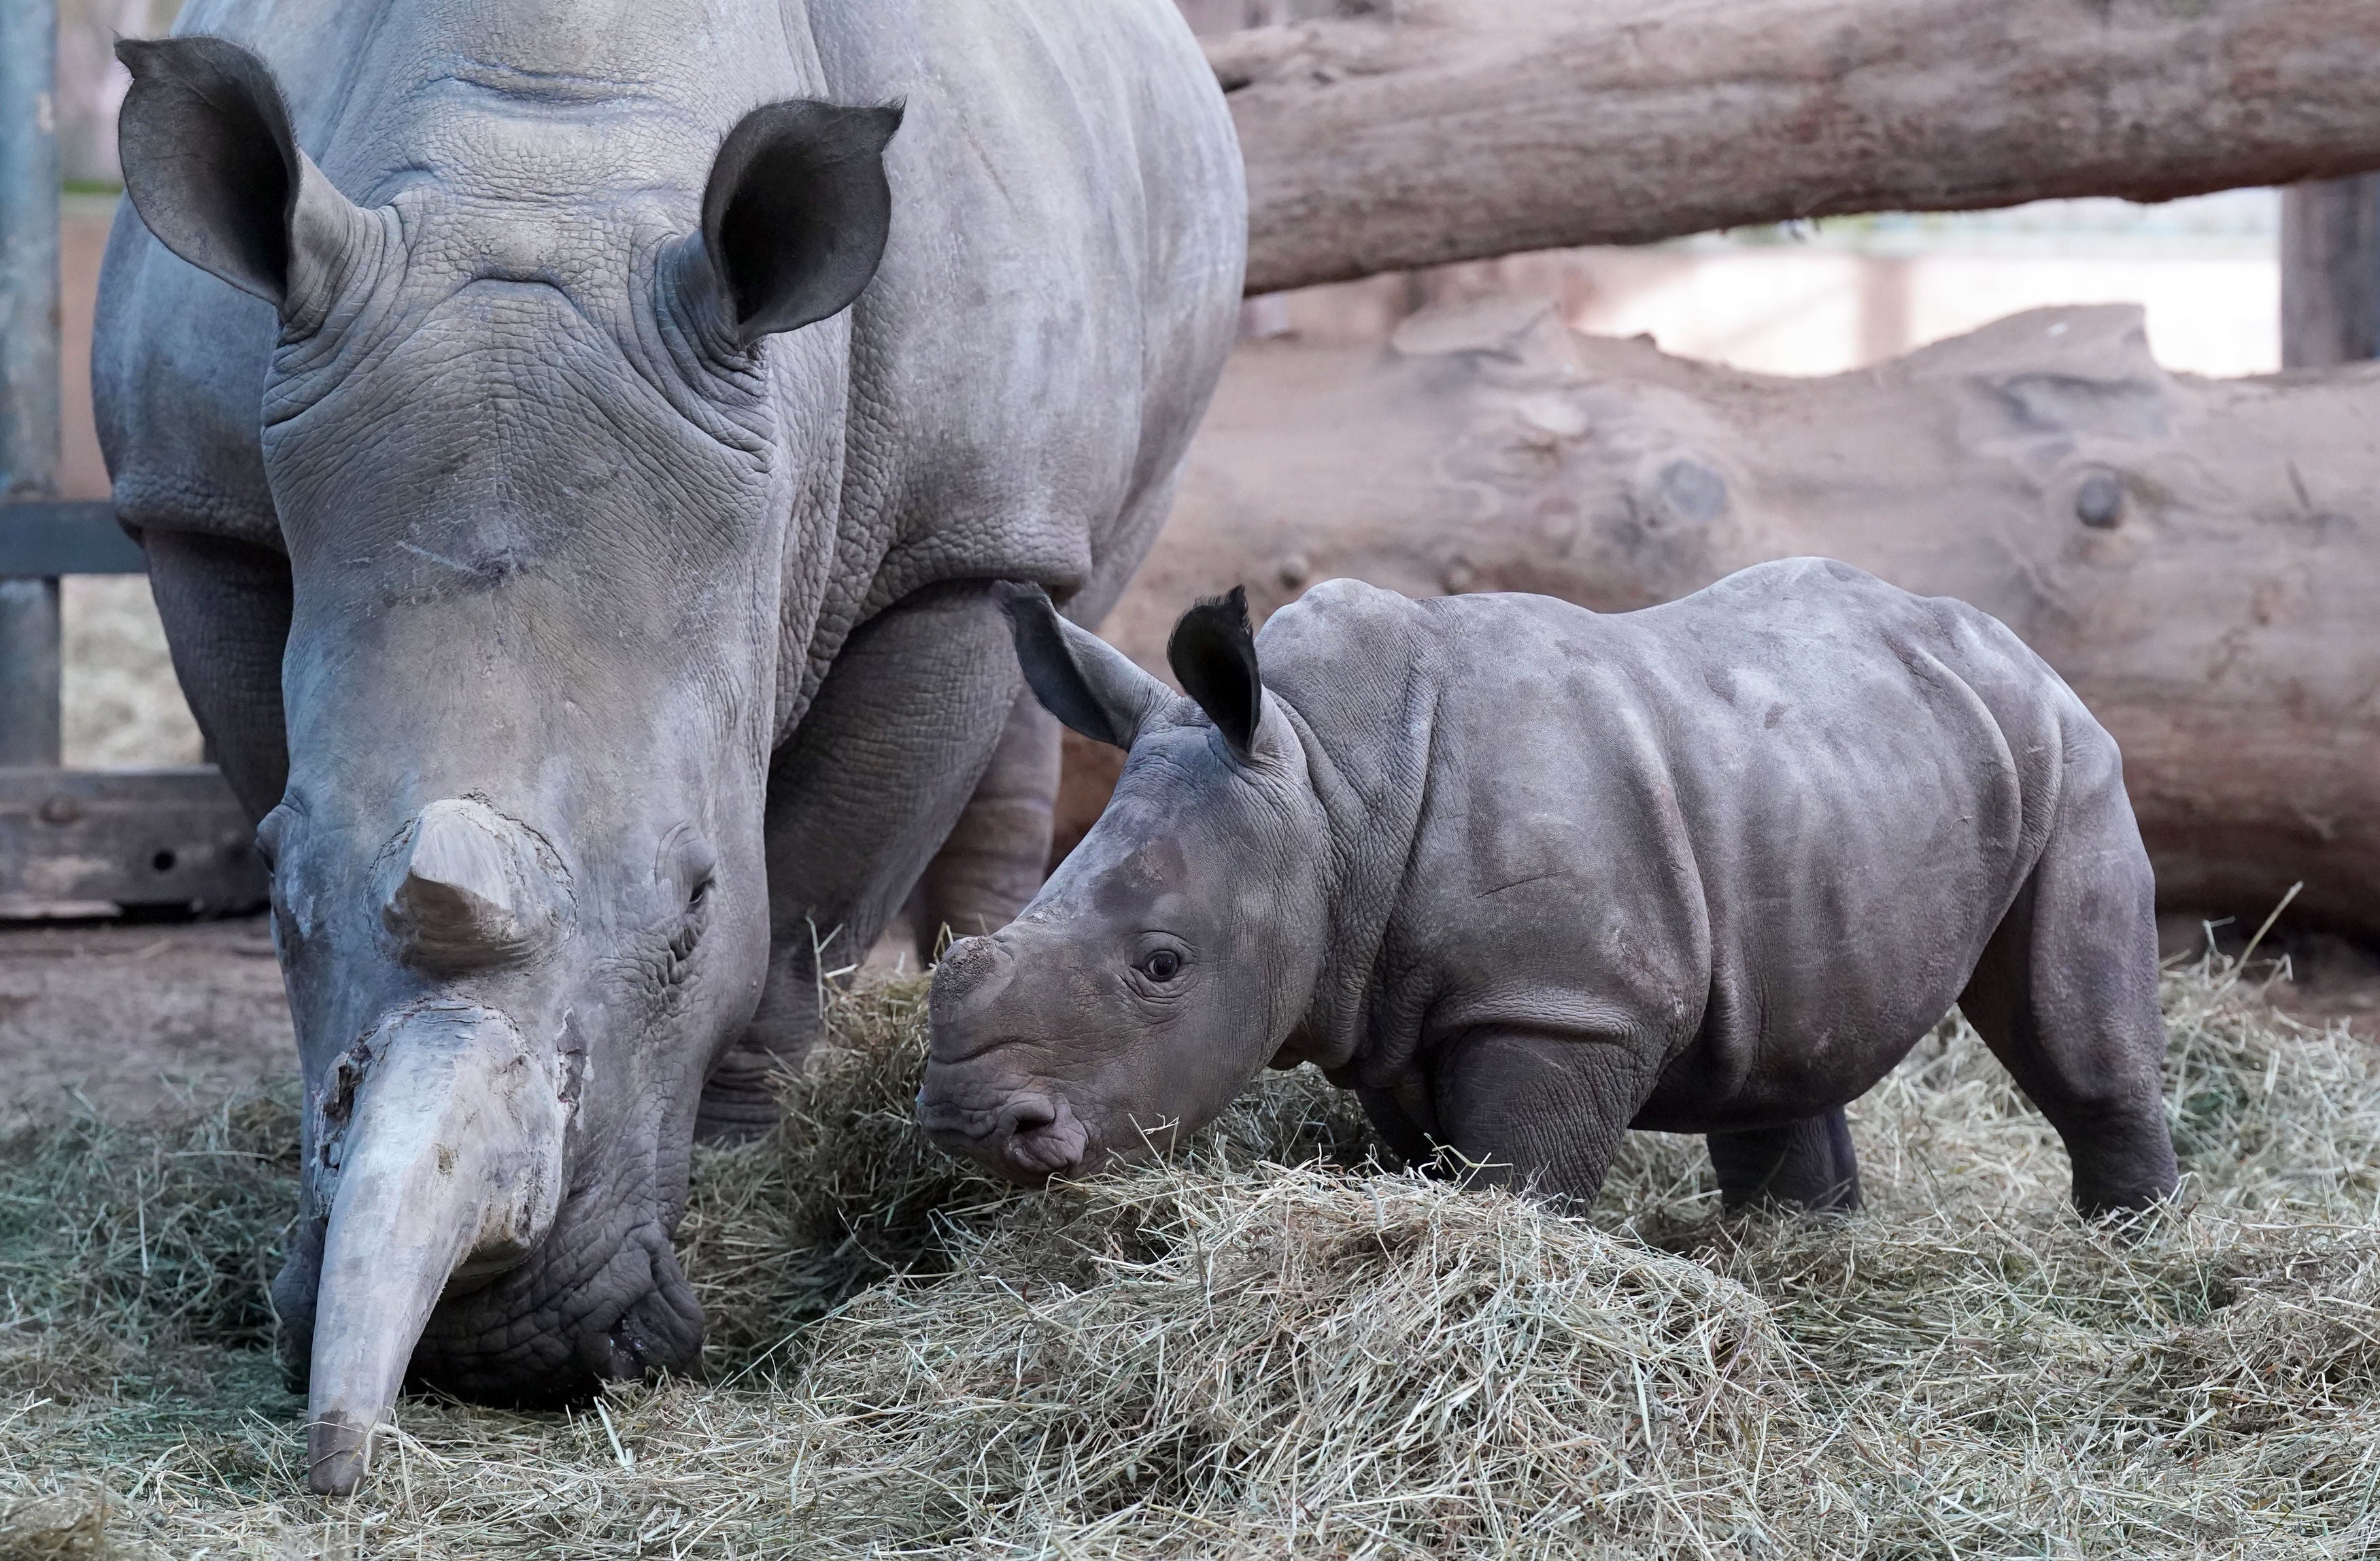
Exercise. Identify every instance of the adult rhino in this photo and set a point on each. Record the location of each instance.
(592, 598)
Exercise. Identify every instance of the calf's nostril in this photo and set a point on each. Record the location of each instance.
(1027, 1115)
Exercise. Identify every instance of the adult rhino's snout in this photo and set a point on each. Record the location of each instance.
(470, 890)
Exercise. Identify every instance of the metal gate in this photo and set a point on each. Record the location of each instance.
(72, 842)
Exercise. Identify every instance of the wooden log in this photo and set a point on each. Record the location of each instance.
(1424, 132)
(2199, 558)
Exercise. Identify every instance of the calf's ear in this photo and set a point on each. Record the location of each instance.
(1079, 678)
(795, 213)
(1213, 654)
(212, 169)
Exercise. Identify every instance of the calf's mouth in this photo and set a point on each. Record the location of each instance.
(1025, 1136)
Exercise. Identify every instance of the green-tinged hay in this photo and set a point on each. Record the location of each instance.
(130, 1252)
(1272, 1346)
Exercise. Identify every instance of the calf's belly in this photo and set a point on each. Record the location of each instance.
(1793, 1067)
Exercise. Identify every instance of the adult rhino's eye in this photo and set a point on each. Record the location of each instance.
(1161, 965)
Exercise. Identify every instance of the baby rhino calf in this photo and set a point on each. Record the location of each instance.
(1526, 876)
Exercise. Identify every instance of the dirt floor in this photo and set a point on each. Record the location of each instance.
(2315, 975)
(133, 1014)
(129, 1016)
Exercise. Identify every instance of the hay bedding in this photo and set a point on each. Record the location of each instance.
(1255, 1352)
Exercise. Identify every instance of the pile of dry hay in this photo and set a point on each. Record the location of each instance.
(1257, 1350)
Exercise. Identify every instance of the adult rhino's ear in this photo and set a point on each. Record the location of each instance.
(1213, 654)
(795, 213)
(212, 169)
(1079, 678)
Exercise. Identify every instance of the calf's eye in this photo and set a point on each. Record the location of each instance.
(1161, 965)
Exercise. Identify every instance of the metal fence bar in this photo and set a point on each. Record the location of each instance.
(2330, 272)
(29, 364)
(48, 537)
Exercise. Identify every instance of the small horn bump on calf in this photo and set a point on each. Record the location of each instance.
(472, 891)
(973, 973)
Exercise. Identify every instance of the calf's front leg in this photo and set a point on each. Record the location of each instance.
(1541, 1111)
(1807, 1163)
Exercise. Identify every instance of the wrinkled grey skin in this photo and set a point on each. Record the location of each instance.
(1526, 876)
(498, 500)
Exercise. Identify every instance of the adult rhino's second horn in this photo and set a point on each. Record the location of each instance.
(447, 1129)
(472, 891)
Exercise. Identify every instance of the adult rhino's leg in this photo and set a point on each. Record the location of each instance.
(858, 798)
(2066, 996)
(999, 850)
(1541, 1111)
(1809, 1163)
(225, 608)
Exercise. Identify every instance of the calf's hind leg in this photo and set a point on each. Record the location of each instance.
(1807, 1163)
(2066, 996)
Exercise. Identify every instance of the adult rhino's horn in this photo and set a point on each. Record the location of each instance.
(472, 891)
(445, 1132)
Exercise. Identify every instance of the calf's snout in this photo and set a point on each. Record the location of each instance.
(983, 1098)
(1025, 1136)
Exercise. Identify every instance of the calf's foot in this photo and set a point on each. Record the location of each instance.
(1808, 1164)
(2123, 1159)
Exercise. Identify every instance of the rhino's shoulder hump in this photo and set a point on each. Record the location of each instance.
(1818, 590)
(1336, 617)
(1812, 577)
(1337, 599)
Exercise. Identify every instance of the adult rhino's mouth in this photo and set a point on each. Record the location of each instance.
(600, 1298)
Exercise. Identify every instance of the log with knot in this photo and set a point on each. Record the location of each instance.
(2199, 558)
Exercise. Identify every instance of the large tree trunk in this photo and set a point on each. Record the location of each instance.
(2199, 558)
(1424, 132)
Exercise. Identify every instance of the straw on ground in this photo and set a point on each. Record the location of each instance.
(1271, 1347)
